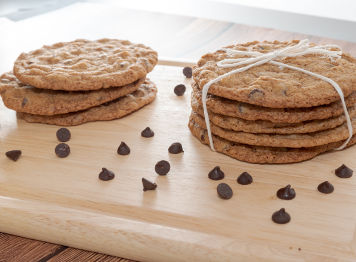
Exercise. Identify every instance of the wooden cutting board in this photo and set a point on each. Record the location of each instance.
(62, 201)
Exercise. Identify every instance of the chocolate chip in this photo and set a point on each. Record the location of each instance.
(216, 173)
(255, 93)
(179, 90)
(147, 132)
(281, 217)
(175, 148)
(148, 185)
(63, 134)
(188, 72)
(106, 174)
(244, 179)
(162, 167)
(123, 149)
(13, 154)
(343, 171)
(326, 188)
(224, 191)
(24, 102)
(62, 150)
(202, 137)
(286, 193)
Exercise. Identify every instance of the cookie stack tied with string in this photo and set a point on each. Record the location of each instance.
(70, 83)
(275, 102)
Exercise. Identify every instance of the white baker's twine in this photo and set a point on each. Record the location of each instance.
(257, 58)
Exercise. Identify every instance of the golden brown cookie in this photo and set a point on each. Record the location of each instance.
(246, 111)
(276, 140)
(260, 154)
(28, 99)
(108, 111)
(269, 85)
(264, 126)
(85, 65)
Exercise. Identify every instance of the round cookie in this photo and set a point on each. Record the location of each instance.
(85, 65)
(278, 87)
(291, 140)
(260, 154)
(28, 99)
(264, 126)
(118, 108)
(246, 111)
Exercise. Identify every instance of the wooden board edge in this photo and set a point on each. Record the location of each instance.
(136, 240)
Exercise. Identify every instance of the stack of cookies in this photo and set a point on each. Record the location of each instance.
(71, 83)
(270, 113)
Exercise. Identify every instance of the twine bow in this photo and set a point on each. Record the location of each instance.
(256, 58)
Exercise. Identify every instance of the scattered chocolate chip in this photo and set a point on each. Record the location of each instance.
(244, 179)
(106, 174)
(343, 171)
(147, 132)
(286, 193)
(62, 150)
(148, 185)
(175, 148)
(299, 249)
(188, 72)
(162, 167)
(281, 217)
(256, 93)
(216, 173)
(179, 90)
(13, 154)
(202, 137)
(326, 188)
(24, 102)
(63, 134)
(123, 149)
(224, 191)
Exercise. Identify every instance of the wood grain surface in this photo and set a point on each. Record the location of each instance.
(62, 201)
(37, 189)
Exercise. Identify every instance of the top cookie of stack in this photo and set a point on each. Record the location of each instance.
(66, 83)
(270, 113)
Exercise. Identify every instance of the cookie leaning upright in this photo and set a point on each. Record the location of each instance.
(85, 65)
(275, 102)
